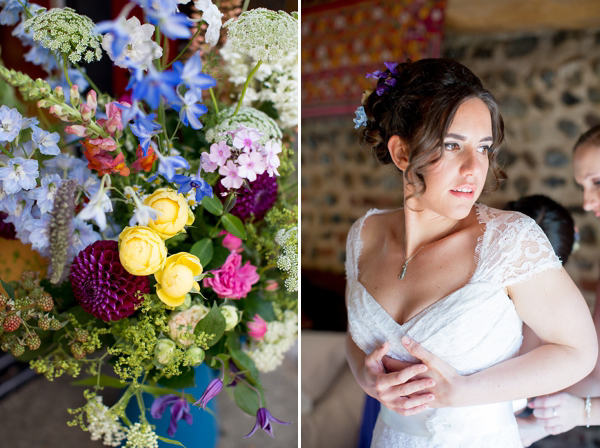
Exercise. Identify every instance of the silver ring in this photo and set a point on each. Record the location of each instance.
(554, 413)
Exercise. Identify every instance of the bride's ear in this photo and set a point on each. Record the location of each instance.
(398, 152)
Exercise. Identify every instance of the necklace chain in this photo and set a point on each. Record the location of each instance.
(405, 265)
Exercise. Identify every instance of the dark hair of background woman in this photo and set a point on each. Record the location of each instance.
(420, 108)
(555, 220)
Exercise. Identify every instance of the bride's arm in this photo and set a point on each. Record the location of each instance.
(555, 310)
(391, 389)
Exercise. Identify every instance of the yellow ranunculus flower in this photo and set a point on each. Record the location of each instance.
(174, 212)
(176, 279)
(141, 250)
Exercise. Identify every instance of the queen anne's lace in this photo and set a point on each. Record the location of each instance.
(511, 250)
(263, 34)
(103, 424)
(64, 31)
(250, 118)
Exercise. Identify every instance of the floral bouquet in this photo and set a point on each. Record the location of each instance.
(169, 222)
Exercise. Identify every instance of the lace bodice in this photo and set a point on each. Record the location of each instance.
(472, 328)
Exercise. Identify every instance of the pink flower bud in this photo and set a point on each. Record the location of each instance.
(75, 98)
(58, 93)
(92, 100)
(272, 285)
(86, 112)
(78, 130)
(231, 242)
(257, 328)
(57, 111)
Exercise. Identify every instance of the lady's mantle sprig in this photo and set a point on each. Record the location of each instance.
(66, 32)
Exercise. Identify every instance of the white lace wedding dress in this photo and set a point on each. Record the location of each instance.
(471, 329)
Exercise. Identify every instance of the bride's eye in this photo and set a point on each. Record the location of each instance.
(451, 146)
(483, 149)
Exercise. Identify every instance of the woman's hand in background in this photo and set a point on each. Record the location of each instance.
(559, 412)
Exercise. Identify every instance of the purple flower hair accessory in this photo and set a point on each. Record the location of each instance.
(387, 76)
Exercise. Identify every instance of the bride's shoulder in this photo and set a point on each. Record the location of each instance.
(506, 218)
(371, 225)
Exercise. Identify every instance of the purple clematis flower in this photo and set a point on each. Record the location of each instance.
(391, 66)
(211, 391)
(263, 421)
(180, 410)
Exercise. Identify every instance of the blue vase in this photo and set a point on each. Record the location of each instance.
(203, 433)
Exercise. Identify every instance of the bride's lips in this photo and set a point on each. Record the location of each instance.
(468, 191)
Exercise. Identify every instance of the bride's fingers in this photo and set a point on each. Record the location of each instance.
(393, 379)
(394, 365)
(414, 386)
(545, 413)
(412, 405)
(373, 359)
(546, 401)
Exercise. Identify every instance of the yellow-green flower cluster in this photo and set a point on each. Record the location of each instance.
(66, 32)
(288, 260)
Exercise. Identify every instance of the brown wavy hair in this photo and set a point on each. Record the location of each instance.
(591, 136)
(420, 108)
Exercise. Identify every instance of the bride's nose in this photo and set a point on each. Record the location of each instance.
(470, 163)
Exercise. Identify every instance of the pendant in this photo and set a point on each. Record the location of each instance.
(401, 276)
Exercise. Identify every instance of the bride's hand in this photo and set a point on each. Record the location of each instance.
(447, 381)
(395, 390)
(559, 412)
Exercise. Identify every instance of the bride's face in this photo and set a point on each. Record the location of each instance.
(455, 182)
(586, 167)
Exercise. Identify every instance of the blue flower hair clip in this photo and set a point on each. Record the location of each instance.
(388, 75)
(361, 117)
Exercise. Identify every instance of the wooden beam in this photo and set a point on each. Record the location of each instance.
(493, 16)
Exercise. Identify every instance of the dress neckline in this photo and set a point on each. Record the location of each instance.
(477, 255)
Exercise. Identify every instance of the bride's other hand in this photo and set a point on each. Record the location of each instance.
(560, 412)
(396, 390)
(530, 430)
(447, 381)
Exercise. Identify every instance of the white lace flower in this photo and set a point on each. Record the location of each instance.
(214, 18)
(263, 34)
(103, 424)
(141, 49)
(141, 436)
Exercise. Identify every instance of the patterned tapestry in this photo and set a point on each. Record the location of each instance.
(345, 39)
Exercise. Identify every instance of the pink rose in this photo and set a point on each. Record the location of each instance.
(257, 328)
(232, 280)
(233, 243)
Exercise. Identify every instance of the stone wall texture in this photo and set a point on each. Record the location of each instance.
(548, 86)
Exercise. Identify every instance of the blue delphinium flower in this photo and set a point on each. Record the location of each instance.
(211, 391)
(144, 129)
(45, 141)
(168, 164)
(19, 174)
(39, 236)
(151, 86)
(189, 109)
(361, 118)
(186, 183)
(11, 123)
(263, 421)
(83, 236)
(173, 25)
(118, 28)
(180, 410)
(44, 195)
(10, 12)
(191, 75)
(41, 56)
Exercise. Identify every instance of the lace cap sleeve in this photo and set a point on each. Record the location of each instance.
(353, 249)
(518, 249)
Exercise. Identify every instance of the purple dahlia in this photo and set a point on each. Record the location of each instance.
(102, 286)
(7, 229)
(258, 200)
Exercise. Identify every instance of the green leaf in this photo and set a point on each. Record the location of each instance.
(203, 249)
(246, 398)
(155, 390)
(9, 289)
(212, 323)
(185, 380)
(212, 205)
(241, 359)
(234, 226)
(220, 254)
(171, 441)
(105, 380)
(175, 240)
(256, 304)
(80, 314)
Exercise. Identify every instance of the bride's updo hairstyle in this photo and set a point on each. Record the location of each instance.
(419, 107)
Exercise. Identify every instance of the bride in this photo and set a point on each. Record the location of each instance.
(444, 284)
